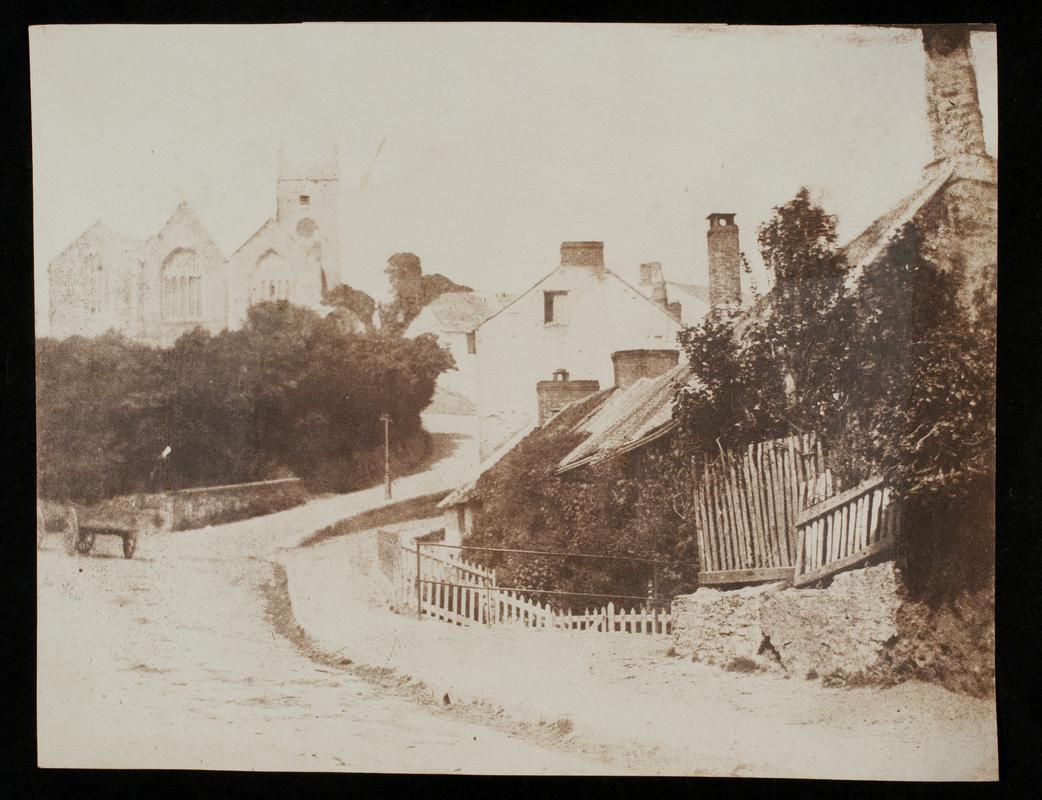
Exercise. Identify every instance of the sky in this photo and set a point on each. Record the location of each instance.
(499, 141)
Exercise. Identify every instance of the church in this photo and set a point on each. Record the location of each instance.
(155, 290)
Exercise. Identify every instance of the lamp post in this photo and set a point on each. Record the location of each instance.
(386, 420)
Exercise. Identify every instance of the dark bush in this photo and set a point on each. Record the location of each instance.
(290, 393)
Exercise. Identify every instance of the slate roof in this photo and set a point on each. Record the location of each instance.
(867, 246)
(185, 215)
(463, 492)
(603, 273)
(465, 311)
(628, 418)
(105, 240)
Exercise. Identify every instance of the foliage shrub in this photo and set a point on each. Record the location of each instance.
(894, 375)
(289, 393)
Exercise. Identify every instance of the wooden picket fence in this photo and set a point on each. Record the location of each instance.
(462, 604)
(746, 505)
(845, 530)
(649, 620)
(453, 590)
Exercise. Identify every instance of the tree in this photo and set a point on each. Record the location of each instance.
(889, 370)
(779, 369)
(290, 392)
(412, 291)
(354, 300)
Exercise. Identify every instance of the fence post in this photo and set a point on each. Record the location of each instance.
(419, 596)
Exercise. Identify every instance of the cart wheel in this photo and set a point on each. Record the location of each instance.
(129, 543)
(85, 541)
(71, 535)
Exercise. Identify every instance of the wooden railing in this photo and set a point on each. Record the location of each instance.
(746, 503)
(845, 530)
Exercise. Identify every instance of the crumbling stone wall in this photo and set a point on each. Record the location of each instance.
(843, 630)
(718, 626)
(862, 628)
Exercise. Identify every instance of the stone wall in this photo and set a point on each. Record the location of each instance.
(196, 508)
(861, 628)
(845, 629)
(718, 626)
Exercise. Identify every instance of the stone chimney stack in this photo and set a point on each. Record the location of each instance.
(952, 105)
(582, 254)
(553, 395)
(725, 271)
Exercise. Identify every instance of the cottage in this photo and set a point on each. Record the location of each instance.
(453, 318)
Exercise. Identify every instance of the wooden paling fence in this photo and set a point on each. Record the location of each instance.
(458, 592)
(845, 530)
(746, 505)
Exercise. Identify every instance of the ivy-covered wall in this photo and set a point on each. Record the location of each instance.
(631, 505)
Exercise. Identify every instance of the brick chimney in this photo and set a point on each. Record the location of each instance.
(582, 254)
(952, 105)
(725, 273)
(632, 365)
(555, 394)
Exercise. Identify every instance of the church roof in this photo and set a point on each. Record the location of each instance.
(284, 241)
(185, 215)
(105, 240)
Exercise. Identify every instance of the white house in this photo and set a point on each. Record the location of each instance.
(569, 323)
(453, 317)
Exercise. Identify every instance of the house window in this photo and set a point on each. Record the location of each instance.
(461, 519)
(554, 308)
(305, 199)
(472, 343)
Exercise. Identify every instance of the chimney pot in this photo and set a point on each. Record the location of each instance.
(632, 365)
(553, 395)
(725, 272)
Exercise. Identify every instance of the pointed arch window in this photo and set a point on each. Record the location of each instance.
(272, 279)
(182, 286)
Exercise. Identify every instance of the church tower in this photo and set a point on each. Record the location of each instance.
(308, 193)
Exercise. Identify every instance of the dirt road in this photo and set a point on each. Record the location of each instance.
(624, 695)
(172, 662)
